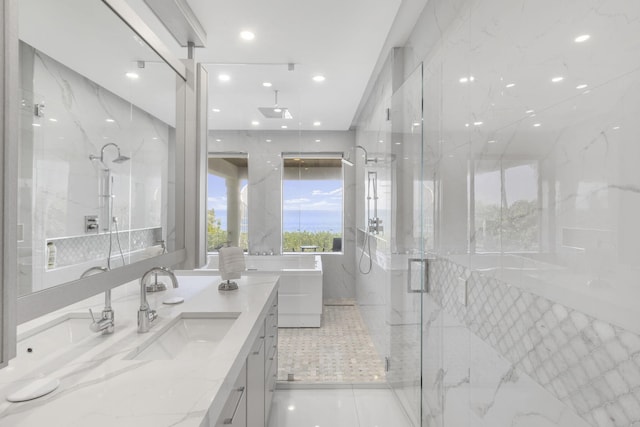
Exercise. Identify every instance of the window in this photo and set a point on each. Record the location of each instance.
(312, 187)
(506, 208)
(227, 201)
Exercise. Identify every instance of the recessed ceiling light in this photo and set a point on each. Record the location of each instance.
(155, 138)
(557, 79)
(109, 120)
(510, 85)
(466, 125)
(247, 35)
(132, 75)
(319, 78)
(529, 111)
(36, 124)
(218, 140)
(464, 79)
(616, 127)
(267, 84)
(381, 141)
(317, 140)
(477, 123)
(491, 141)
(224, 77)
(284, 127)
(398, 143)
(291, 407)
(317, 123)
(537, 125)
(268, 140)
(277, 110)
(216, 110)
(255, 123)
(53, 120)
(416, 124)
(582, 86)
(582, 38)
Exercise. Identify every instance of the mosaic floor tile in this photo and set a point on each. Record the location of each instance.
(340, 351)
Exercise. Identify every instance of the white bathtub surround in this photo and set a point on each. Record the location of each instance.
(300, 295)
(101, 387)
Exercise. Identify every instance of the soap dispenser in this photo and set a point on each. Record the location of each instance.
(51, 255)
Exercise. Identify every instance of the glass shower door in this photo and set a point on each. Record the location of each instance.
(408, 260)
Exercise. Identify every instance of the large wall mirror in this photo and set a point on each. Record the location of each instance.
(96, 147)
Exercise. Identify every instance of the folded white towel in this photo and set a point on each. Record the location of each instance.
(231, 263)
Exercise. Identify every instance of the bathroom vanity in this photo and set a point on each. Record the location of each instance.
(210, 361)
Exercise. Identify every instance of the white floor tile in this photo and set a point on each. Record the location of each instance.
(313, 408)
(336, 408)
(379, 408)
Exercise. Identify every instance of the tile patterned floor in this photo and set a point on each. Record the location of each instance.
(340, 351)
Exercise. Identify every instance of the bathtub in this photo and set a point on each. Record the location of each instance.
(300, 292)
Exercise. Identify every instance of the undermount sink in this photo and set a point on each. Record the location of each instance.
(55, 336)
(189, 336)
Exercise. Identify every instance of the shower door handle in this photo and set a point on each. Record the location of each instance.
(413, 279)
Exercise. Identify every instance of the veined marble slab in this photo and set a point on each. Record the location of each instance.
(100, 387)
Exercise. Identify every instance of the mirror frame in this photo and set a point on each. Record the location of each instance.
(9, 176)
(42, 302)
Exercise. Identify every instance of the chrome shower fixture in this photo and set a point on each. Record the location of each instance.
(367, 160)
(119, 159)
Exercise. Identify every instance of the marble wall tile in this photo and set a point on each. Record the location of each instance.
(60, 179)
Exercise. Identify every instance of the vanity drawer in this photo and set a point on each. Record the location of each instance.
(269, 391)
(234, 412)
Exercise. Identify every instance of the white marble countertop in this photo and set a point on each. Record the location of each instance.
(100, 387)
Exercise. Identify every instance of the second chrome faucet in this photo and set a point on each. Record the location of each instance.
(146, 315)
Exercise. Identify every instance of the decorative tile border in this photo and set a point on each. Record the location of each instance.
(589, 364)
(79, 249)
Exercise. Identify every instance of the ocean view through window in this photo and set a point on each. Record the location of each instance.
(312, 203)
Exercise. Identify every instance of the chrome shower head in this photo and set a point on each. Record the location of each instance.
(121, 159)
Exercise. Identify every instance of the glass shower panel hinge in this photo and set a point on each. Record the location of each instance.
(38, 110)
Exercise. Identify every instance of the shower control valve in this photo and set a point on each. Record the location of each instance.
(91, 223)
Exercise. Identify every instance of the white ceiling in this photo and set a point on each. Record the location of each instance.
(340, 39)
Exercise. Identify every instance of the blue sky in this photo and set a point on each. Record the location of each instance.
(322, 195)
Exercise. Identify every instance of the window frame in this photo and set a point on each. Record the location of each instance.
(317, 155)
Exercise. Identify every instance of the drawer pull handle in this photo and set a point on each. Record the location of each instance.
(259, 348)
(230, 420)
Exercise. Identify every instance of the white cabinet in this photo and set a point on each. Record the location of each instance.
(250, 401)
(271, 358)
(255, 382)
(234, 413)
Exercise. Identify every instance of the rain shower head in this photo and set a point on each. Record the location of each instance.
(121, 159)
(275, 112)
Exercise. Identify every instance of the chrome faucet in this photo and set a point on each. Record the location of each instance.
(146, 315)
(106, 322)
